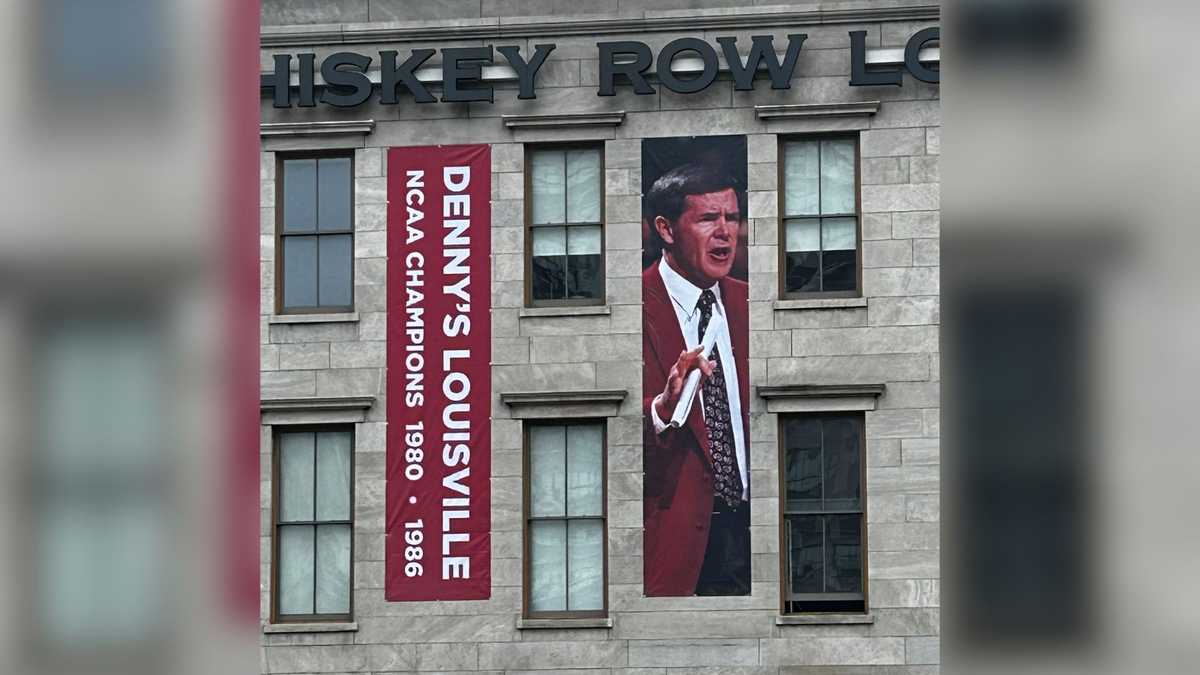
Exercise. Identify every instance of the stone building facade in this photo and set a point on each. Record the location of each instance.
(874, 353)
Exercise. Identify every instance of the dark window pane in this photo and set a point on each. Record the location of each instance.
(843, 554)
(549, 277)
(333, 193)
(337, 278)
(806, 554)
(299, 272)
(583, 276)
(803, 460)
(839, 243)
(299, 195)
(838, 270)
(583, 262)
(842, 468)
(801, 270)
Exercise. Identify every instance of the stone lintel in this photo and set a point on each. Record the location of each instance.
(564, 120)
(801, 398)
(316, 410)
(791, 111)
(564, 404)
(349, 127)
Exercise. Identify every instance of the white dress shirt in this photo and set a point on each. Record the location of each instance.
(684, 298)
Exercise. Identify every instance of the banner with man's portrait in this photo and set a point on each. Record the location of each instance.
(696, 335)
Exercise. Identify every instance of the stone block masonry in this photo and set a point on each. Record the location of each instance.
(888, 336)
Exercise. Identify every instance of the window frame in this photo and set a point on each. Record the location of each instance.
(785, 594)
(276, 433)
(784, 293)
(526, 542)
(528, 226)
(43, 486)
(280, 158)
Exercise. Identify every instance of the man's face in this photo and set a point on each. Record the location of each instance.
(702, 242)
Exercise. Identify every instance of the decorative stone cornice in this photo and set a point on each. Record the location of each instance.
(564, 120)
(318, 403)
(560, 404)
(821, 397)
(292, 129)
(793, 111)
(528, 27)
(315, 410)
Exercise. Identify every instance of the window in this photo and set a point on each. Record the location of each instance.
(821, 224)
(100, 483)
(823, 526)
(565, 212)
(96, 51)
(565, 550)
(313, 524)
(315, 250)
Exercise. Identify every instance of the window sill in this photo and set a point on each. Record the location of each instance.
(820, 303)
(559, 624)
(823, 619)
(577, 310)
(281, 628)
(343, 317)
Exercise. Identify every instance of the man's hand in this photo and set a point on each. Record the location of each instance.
(664, 404)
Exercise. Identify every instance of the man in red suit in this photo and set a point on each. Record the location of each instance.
(696, 506)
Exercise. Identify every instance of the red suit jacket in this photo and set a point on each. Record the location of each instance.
(678, 493)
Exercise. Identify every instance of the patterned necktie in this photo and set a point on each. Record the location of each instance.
(727, 480)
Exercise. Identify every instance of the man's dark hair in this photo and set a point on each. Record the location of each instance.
(668, 194)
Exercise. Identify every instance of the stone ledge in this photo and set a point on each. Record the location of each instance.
(277, 129)
(560, 624)
(564, 120)
(823, 619)
(284, 628)
(791, 111)
(315, 410)
(346, 317)
(564, 404)
(819, 303)
(801, 398)
(515, 28)
(579, 310)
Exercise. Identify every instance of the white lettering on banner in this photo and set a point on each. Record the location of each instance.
(456, 385)
(413, 198)
(457, 178)
(414, 281)
(414, 330)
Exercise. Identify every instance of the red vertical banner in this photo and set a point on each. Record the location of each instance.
(439, 373)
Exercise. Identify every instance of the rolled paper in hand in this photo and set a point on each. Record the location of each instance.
(692, 384)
